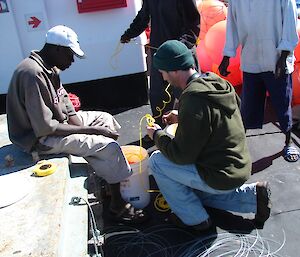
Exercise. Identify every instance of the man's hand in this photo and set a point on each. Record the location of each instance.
(152, 129)
(170, 117)
(106, 132)
(281, 65)
(223, 66)
(125, 39)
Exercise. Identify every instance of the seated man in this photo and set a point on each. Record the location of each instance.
(42, 118)
(207, 162)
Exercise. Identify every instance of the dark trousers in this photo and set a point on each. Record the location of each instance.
(255, 87)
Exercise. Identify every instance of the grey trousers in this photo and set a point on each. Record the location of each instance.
(102, 153)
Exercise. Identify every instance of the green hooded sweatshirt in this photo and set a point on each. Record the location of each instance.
(210, 133)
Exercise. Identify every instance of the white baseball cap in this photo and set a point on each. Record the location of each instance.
(63, 36)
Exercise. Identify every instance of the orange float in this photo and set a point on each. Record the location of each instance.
(215, 41)
(203, 58)
(211, 12)
(235, 77)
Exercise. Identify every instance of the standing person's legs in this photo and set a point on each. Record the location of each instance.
(194, 52)
(179, 182)
(281, 96)
(253, 100)
(159, 99)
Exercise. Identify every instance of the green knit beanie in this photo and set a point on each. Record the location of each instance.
(173, 55)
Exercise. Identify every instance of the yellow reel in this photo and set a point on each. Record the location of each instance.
(150, 120)
(44, 168)
(160, 203)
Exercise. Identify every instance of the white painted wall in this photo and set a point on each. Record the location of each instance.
(10, 48)
(99, 33)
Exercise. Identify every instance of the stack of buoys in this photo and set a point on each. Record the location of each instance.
(212, 40)
(211, 12)
(296, 73)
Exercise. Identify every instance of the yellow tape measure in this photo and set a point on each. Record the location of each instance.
(44, 168)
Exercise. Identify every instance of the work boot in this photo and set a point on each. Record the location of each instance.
(263, 194)
(203, 226)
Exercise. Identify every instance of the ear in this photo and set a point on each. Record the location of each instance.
(174, 73)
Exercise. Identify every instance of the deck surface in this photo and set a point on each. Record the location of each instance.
(232, 235)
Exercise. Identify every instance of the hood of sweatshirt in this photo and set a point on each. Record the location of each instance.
(34, 55)
(215, 89)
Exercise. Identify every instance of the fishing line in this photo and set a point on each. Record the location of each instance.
(114, 59)
(98, 239)
(227, 244)
(146, 46)
(149, 239)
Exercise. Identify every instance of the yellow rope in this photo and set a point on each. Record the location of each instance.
(197, 41)
(159, 203)
(164, 103)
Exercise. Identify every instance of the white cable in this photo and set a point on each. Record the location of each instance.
(97, 238)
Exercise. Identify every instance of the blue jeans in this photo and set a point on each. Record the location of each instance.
(186, 193)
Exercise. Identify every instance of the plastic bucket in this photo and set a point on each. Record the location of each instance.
(171, 129)
(135, 188)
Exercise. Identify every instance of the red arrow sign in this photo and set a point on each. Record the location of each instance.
(34, 21)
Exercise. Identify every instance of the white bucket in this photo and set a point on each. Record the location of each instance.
(135, 188)
(171, 129)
